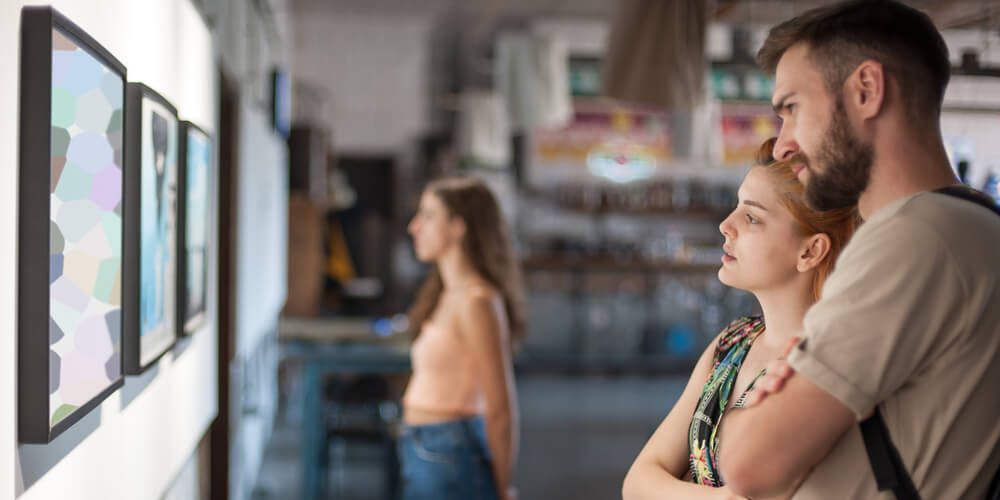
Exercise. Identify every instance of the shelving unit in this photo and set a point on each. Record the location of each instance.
(594, 264)
(621, 274)
(603, 365)
(608, 315)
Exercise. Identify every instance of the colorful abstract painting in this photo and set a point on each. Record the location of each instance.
(85, 228)
(71, 240)
(157, 292)
(196, 226)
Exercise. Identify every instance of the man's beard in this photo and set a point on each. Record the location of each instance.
(846, 165)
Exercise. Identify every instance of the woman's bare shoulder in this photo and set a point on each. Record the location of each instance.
(481, 293)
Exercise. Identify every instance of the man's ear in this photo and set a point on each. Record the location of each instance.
(865, 89)
(813, 251)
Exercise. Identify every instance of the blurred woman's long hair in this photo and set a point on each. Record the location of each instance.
(487, 244)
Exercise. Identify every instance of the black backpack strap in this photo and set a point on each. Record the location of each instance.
(967, 193)
(890, 473)
(994, 491)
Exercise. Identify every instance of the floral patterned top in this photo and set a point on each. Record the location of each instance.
(703, 442)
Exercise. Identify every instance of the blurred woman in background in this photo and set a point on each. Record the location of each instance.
(782, 251)
(460, 433)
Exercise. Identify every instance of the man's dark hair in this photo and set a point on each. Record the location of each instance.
(841, 36)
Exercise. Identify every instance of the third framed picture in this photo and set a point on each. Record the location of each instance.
(194, 205)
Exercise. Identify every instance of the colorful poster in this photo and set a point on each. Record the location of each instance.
(604, 142)
(745, 127)
(86, 227)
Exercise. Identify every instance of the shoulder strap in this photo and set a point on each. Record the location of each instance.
(888, 468)
(739, 329)
(968, 194)
(994, 492)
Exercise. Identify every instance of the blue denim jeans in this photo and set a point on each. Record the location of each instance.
(446, 461)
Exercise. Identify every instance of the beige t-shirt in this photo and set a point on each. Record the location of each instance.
(910, 321)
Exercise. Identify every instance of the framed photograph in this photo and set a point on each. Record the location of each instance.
(151, 132)
(194, 215)
(70, 236)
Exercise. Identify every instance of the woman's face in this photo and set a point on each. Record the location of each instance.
(763, 241)
(433, 229)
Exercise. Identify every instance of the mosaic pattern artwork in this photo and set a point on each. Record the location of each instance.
(199, 161)
(85, 228)
(157, 276)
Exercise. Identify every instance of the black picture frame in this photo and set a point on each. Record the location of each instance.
(189, 321)
(138, 97)
(41, 322)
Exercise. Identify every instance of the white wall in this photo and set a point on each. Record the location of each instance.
(375, 71)
(137, 441)
(185, 486)
(8, 244)
(262, 223)
(262, 228)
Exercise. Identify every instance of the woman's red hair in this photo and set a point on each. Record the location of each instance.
(838, 224)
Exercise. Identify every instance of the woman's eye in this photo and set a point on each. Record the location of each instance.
(752, 220)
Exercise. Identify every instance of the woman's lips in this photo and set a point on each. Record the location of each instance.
(727, 256)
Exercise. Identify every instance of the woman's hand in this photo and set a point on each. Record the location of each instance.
(511, 493)
(778, 371)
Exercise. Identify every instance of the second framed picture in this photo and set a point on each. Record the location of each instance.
(194, 215)
(151, 134)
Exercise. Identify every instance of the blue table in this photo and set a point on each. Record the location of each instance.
(320, 360)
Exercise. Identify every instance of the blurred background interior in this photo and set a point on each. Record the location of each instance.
(614, 134)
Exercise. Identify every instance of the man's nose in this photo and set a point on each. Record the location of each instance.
(785, 146)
